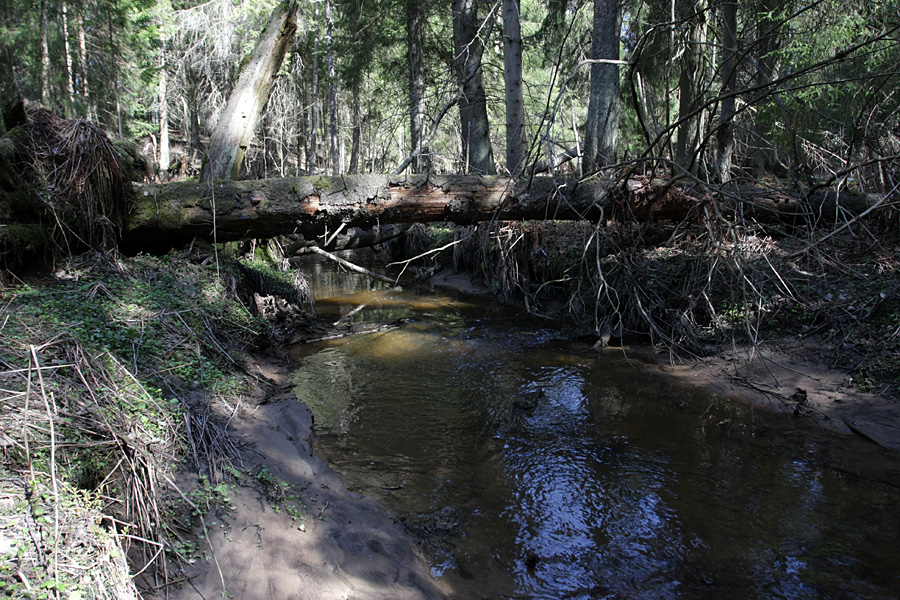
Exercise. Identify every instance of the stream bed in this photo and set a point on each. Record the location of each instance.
(532, 467)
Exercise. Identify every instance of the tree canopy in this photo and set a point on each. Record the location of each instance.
(802, 91)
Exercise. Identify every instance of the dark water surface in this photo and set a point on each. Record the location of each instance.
(532, 468)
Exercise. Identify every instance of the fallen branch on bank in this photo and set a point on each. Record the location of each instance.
(353, 267)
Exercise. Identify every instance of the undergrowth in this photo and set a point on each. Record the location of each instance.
(691, 289)
(115, 373)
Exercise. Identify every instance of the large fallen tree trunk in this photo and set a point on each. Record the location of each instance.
(168, 215)
(171, 214)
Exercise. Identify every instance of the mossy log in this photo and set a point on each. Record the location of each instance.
(168, 215)
(171, 214)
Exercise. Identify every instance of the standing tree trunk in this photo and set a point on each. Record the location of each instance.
(725, 134)
(238, 121)
(70, 84)
(45, 56)
(192, 111)
(415, 49)
(357, 130)
(332, 99)
(475, 131)
(314, 105)
(163, 124)
(601, 139)
(692, 122)
(114, 53)
(516, 148)
(82, 58)
(303, 101)
(765, 59)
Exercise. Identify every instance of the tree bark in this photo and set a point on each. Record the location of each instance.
(477, 156)
(82, 58)
(70, 83)
(601, 137)
(516, 148)
(725, 135)
(415, 50)
(690, 85)
(348, 238)
(163, 124)
(114, 54)
(45, 56)
(332, 99)
(168, 215)
(238, 121)
(314, 106)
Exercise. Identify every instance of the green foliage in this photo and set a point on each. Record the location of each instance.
(282, 495)
(156, 317)
(100, 364)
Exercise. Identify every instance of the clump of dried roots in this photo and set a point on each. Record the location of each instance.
(82, 190)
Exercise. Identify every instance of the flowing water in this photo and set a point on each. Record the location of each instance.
(533, 468)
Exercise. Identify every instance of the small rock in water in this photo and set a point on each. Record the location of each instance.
(604, 333)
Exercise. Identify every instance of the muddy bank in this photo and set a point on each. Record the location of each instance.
(788, 378)
(337, 545)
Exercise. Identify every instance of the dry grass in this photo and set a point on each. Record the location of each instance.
(113, 375)
(85, 463)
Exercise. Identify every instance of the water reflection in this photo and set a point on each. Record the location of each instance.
(532, 469)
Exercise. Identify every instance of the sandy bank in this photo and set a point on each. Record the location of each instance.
(787, 378)
(344, 547)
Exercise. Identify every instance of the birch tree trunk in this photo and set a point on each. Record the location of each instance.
(238, 121)
(82, 59)
(70, 84)
(113, 48)
(601, 137)
(314, 105)
(163, 125)
(45, 56)
(332, 93)
(516, 148)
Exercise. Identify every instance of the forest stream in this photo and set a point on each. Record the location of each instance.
(531, 467)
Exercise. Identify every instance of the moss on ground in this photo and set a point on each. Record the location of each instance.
(112, 375)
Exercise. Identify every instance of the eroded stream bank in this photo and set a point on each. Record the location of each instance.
(531, 467)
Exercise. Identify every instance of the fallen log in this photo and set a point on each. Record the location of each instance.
(347, 239)
(172, 214)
